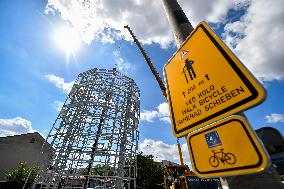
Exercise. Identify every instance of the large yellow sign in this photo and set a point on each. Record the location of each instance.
(228, 147)
(205, 82)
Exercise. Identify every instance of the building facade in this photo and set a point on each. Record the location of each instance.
(25, 147)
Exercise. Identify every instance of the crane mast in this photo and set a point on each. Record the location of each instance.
(158, 78)
(149, 62)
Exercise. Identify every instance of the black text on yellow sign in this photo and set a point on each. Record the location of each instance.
(205, 82)
(228, 147)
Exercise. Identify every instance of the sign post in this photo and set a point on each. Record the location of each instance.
(181, 28)
(206, 82)
(225, 148)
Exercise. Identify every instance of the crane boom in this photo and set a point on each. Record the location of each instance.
(149, 62)
(159, 80)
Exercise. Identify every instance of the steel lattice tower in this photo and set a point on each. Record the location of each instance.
(95, 136)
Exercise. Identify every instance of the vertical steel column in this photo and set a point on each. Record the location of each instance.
(95, 145)
(181, 28)
(180, 25)
(180, 153)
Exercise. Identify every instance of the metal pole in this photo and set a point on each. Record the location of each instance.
(180, 153)
(180, 25)
(181, 28)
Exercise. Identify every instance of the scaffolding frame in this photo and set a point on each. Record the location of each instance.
(95, 136)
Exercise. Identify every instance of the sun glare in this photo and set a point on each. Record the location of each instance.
(68, 39)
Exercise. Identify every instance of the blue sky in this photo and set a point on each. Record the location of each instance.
(35, 75)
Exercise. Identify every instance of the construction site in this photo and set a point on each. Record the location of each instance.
(94, 142)
(95, 136)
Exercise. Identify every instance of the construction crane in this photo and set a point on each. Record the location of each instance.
(149, 62)
(176, 176)
(156, 74)
(163, 89)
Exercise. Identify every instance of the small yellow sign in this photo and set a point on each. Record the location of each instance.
(228, 147)
(206, 82)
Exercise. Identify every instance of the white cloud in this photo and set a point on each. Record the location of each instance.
(275, 118)
(121, 65)
(60, 83)
(15, 126)
(104, 20)
(165, 119)
(162, 113)
(163, 109)
(45, 130)
(148, 115)
(208, 10)
(258, 39)
(58, 105)
(162, 151)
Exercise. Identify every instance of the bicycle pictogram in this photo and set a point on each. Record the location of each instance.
(228, 158)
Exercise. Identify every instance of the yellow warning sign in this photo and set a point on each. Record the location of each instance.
(228, 147)
(206, 82)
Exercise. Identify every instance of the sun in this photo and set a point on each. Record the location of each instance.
(68, 39)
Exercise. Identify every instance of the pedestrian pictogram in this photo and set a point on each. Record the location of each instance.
(228, 147)
(189, 68)
(222, 157)
(206, 82)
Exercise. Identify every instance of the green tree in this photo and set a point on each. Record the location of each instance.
(149, 175)
(20, 174)
(98, 170)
